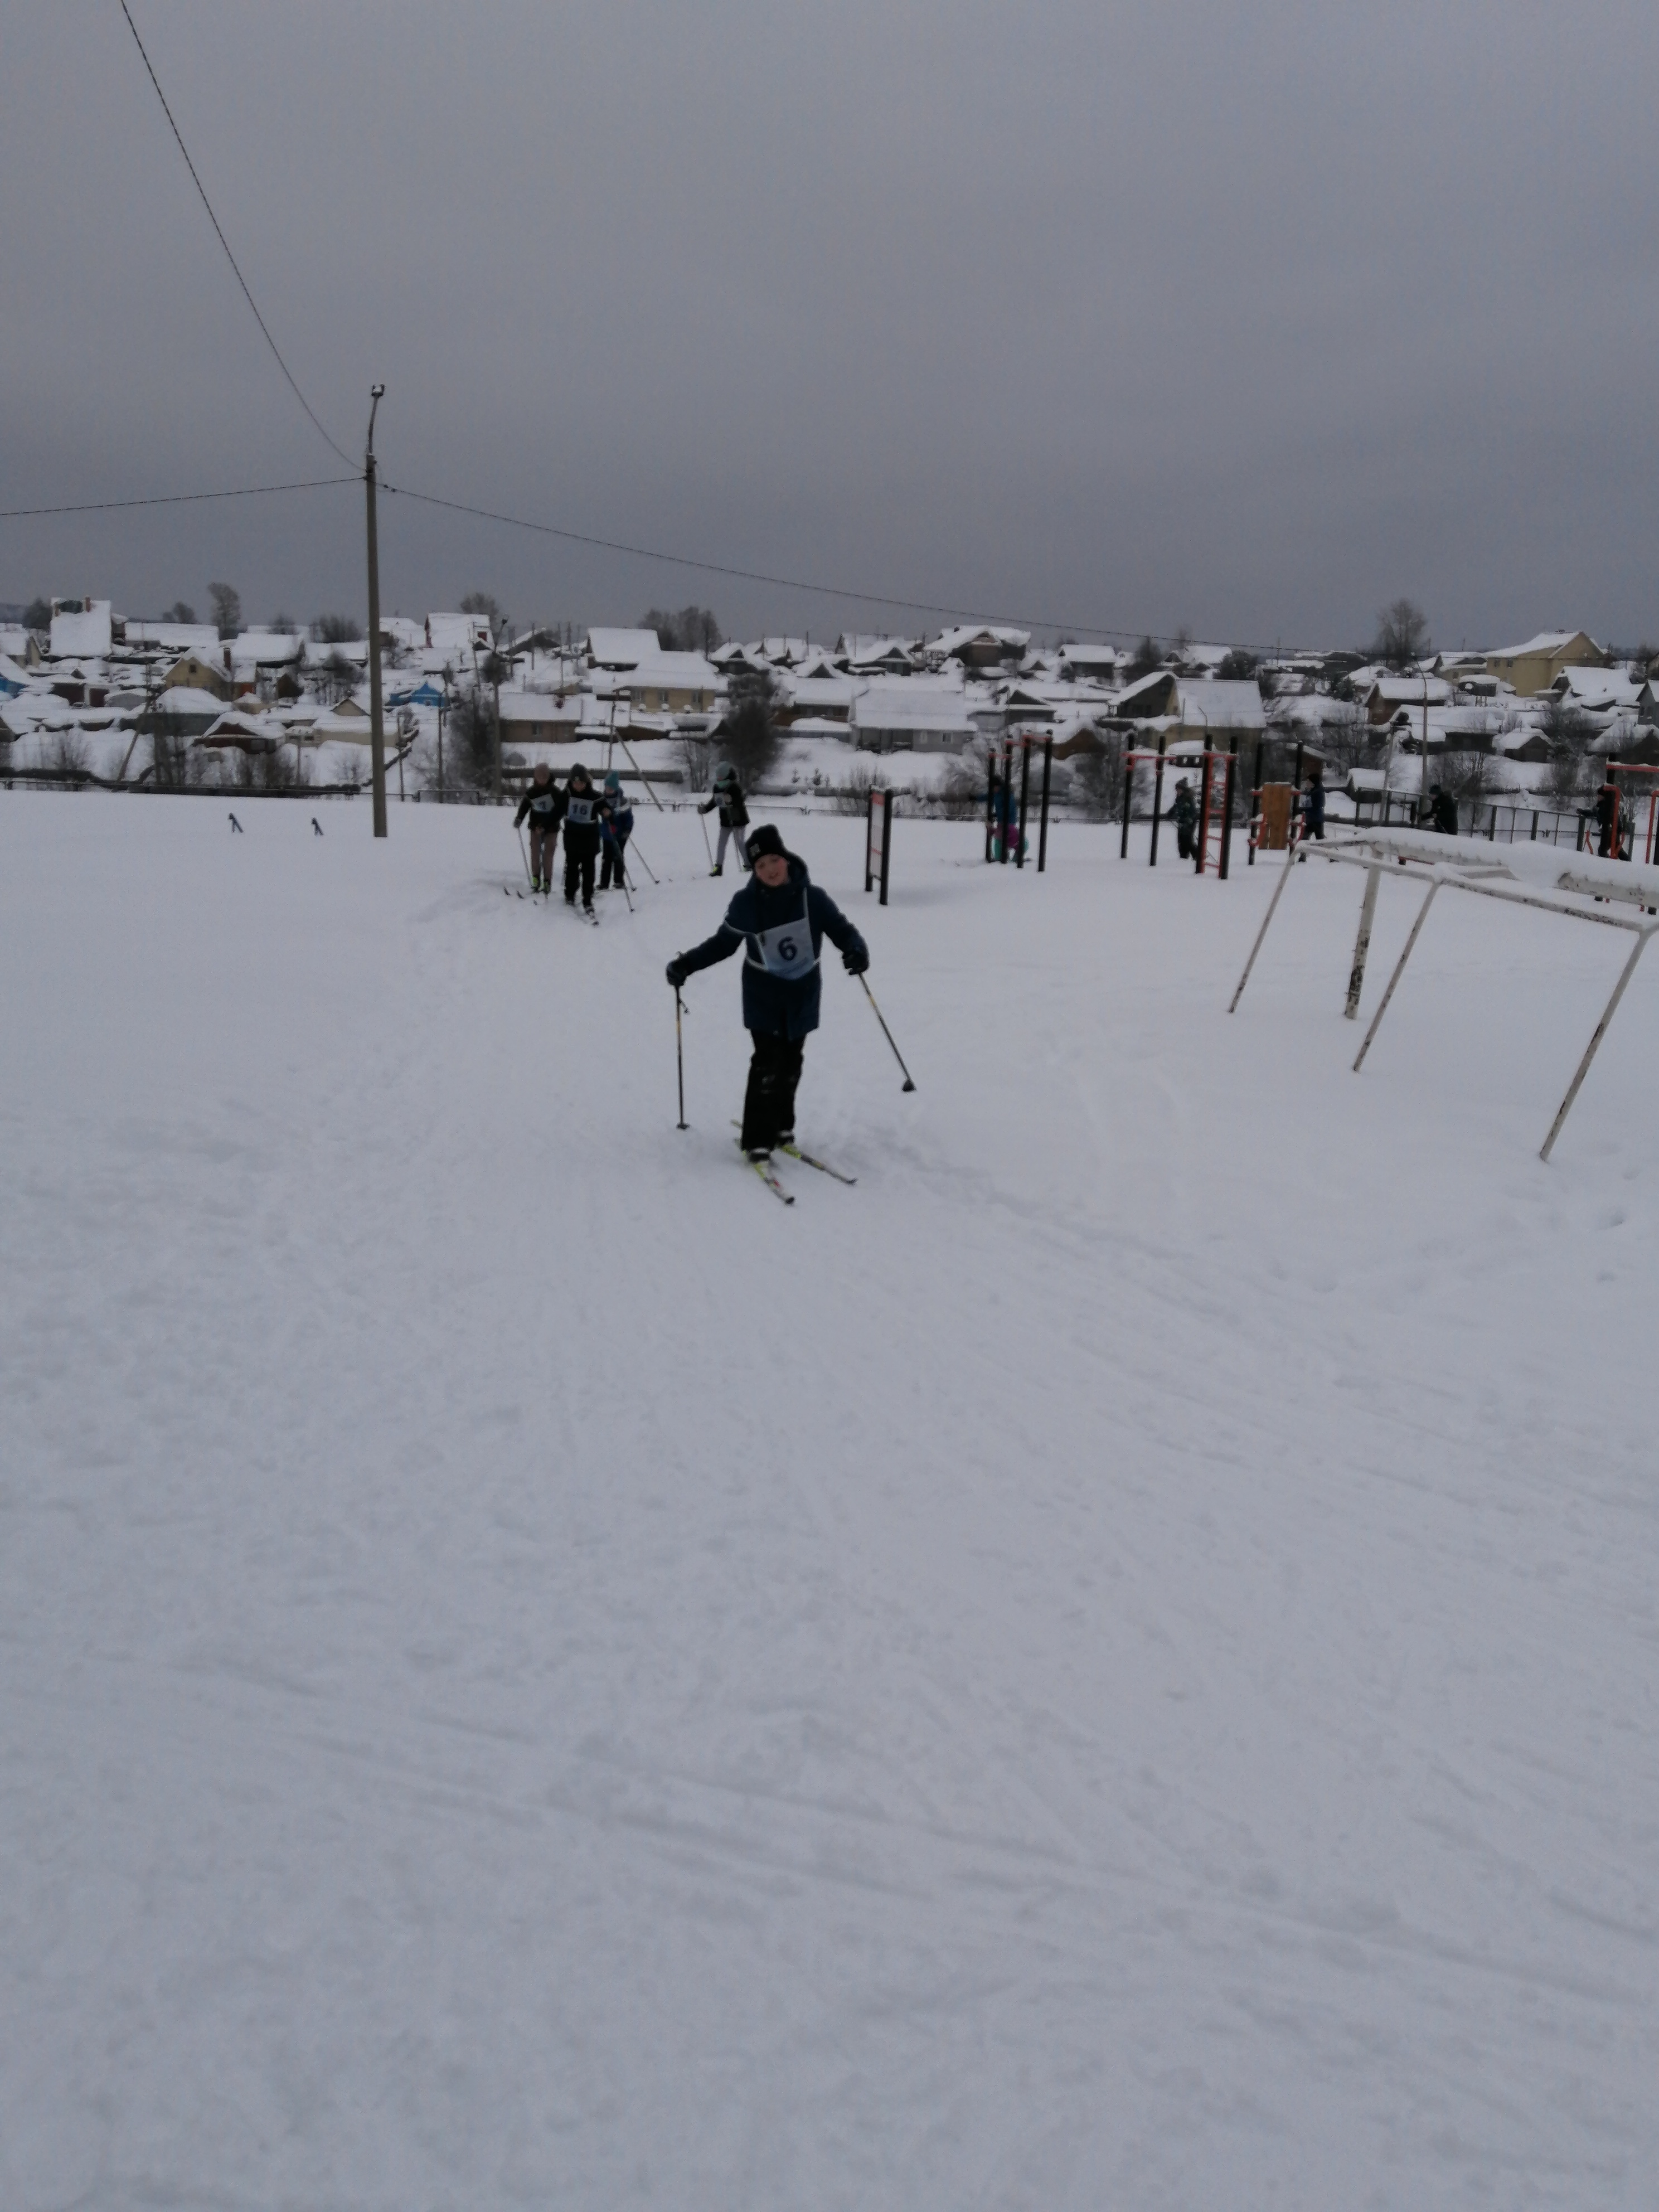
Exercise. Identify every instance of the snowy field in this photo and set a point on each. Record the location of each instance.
(1113, 1665)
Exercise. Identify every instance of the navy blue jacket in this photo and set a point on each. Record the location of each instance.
(776, 1006)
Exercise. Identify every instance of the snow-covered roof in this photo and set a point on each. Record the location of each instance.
(185, 699)
(862, 651)
(174, 637)
(1547, 642)
(1598, 689)
(1216, 705)
(268, 648)
(966, 633)
(86, 626)
(458, 633)
(623, 648)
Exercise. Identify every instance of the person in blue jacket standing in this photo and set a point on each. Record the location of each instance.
(616, 826)
(780, 919)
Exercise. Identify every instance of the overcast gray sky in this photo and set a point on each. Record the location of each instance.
(1248, 318)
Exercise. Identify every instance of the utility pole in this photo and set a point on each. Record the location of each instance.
(1423, 788)
(376, 728)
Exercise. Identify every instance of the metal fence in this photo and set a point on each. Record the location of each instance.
(1502, 822)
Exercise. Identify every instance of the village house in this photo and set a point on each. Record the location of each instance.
(1387, 694)
(1531, 668)
(981, 648)
(1226, 709)
(876, 656)
(82, 630)
(896, 716)
(191, 672)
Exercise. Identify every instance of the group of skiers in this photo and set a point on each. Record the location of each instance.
(594, 822)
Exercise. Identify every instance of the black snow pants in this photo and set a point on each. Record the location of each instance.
(578, 866)
(611, 861)
(769, 1105)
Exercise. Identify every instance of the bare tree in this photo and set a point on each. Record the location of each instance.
(227, 602)
(1144, 660)
(694, 629)
(1568, 732)
(1097, 780)
(1238, 666)
(749, 733)
(1402, 635)
(694, 755)
(336, 680)
(70, 754)
(1347, 739)
(471, 758)
(486, 603)
(38, 615)
(284, 626)
(335, 629)
(181, 611)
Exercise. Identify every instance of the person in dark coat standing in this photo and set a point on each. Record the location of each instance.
(779, 920)
(1184, 811)
(543, 802)
(1443, 812)
(616, 826)
(1313, 802)
(727, 795)
(581, 837)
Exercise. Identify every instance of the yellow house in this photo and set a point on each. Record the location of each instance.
(1531, 668)
(191, 673)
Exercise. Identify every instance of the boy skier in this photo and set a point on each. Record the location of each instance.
(614, 829)
(780, 918)
(543, 802)
(727, 795)
(581, 837)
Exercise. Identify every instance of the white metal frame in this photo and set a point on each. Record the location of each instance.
(1419, 860)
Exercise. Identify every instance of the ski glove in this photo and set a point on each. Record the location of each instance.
(855, 963)
(677, 972)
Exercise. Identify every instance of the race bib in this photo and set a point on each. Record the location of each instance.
(581, 810)
(542, 805)
(787, 951)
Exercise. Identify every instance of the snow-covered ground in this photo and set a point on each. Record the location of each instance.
(1112, 1665)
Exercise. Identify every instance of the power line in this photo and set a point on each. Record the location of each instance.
(172, 499)
(225, 242)
(756, 575)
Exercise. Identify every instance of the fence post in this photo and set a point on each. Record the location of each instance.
(1157, 792)
(1231, 774)
(1042, 833)
(990, 803)
(1024, 798)
(1129, 793)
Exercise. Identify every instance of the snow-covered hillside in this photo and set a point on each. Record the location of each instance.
(1112, 1664)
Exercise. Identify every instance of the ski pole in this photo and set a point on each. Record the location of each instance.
(706, 847)
(621, 873)
(644, 863)
(523, 854)
(679, 1056)
(888, 1033)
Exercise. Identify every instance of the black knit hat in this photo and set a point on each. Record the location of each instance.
(765, 840)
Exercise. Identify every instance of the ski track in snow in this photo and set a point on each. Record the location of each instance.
(1112, 1664)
